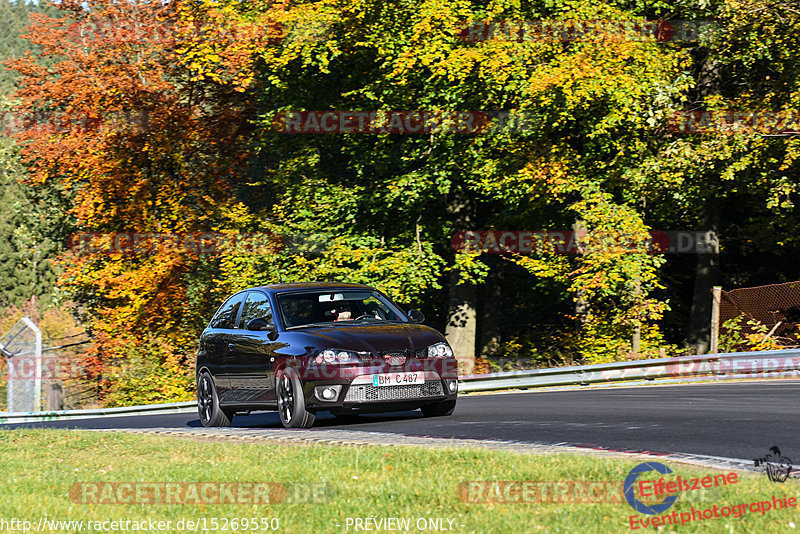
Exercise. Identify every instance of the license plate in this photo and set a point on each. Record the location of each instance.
(397, 379)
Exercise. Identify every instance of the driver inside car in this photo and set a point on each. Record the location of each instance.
(342, 312)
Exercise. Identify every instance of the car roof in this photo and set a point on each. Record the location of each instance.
(301, 286)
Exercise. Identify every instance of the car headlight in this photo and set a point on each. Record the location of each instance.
(334, 356)
(440, 350)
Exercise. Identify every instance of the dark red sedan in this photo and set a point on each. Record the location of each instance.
(301, 348)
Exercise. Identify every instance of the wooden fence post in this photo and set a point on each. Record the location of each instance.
(55, 395)
(716, 292)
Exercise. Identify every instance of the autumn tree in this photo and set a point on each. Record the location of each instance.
(594, 103)
(158, 118)
(31, 218)
(142, 146)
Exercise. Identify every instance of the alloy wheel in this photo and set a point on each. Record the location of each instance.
(286, 397)
(205, 397)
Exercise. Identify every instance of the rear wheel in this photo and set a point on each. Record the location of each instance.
(439, 409)
(211, 414)
(291, 403)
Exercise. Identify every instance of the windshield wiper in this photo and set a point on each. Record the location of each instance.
(311, 325)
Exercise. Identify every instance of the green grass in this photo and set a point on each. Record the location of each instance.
(38, 468)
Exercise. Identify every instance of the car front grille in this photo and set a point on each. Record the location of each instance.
(370, 393)
(395, 358)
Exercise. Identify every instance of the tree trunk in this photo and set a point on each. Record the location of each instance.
(706, 273)
(706, 277)
(581, 303)
(462, 315)
(490, 303)
(462, 323)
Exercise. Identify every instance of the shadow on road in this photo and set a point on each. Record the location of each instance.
(324, 420)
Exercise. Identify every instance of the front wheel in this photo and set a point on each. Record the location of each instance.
(291, 403)
(211, 414)
(439, 409)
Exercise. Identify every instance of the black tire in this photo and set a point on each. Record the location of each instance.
(208, 408)
(439, 409)
(291, 403)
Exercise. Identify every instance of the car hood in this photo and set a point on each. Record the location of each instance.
(372, 337)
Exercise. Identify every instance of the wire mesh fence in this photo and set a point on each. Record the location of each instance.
(22, 350)
(49, 375)
(768, 314)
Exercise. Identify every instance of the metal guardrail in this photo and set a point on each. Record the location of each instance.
(764, 364)
(38, 417)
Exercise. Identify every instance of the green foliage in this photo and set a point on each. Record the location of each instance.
(381, 208)
(530, 350)
(742, 334)
(731, 338)
(13, 21)
(32, 221)
(607, 338)
(32, 231)
(595, 104)
(148, 374)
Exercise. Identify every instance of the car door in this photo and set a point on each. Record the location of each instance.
(252, 353)
(218, 343)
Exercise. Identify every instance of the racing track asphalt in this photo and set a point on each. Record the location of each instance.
(734, 420)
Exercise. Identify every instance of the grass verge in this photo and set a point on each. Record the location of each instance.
(44, 472)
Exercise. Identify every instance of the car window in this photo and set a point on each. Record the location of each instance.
(226, 315)
(256, 305)
(378, 309)
(297, 309)
(300, 309)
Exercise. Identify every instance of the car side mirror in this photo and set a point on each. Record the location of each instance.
(260, 324)
(416, 316)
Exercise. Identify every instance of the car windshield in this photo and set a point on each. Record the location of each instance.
(337, 306)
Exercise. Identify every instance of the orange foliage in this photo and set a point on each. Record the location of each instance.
(142, 143)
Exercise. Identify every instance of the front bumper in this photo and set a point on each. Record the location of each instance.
(356, 392)
(362, 390)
